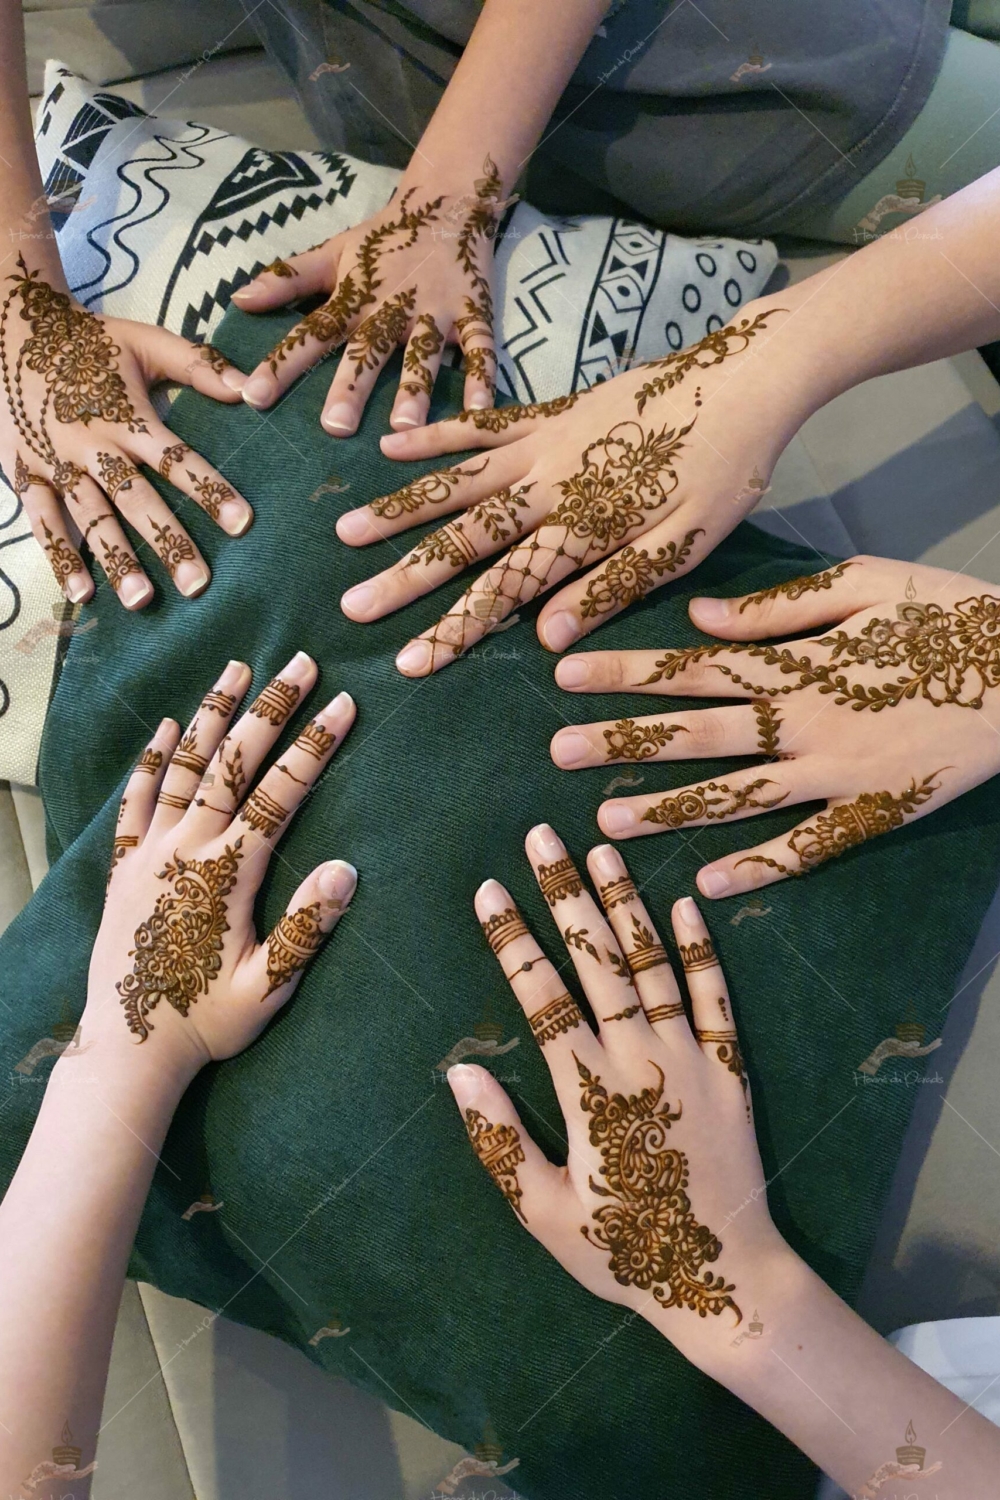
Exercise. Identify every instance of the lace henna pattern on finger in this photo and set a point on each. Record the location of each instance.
(499, 1149)
(713, 801)
(429, 489)
(291, 945)
(709, 351)
(178, 949)
(631, 741)
(768, 724)
(426, 343)
(845, 827)
(795, 588)
(646, 1225)
(499, 418)
(632, 574)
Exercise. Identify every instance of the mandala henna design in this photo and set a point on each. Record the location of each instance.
(631, 741)
(315, 740)
(186, 755)
(504, 927)
(219, 703)
(64, 560)
(717, 346)
(559, 880)
(648, 952)
(648, 1228)
(429, 489)
(172, 547)
(618, 892)
(579, 938)
(378, 335)
(555, 1018)
(668, 1012)
(631, 575)
(426, 342)
(696, 956)
(291, 945)
(264, 814)
(150, 761)
(276, 701)
(499, 1149)
(116, 473)
(178, 951)
(173, 453)
(768, 724)
(712, 801)
(850, 824)
(499, 418)
(212, 494)
(794, 588)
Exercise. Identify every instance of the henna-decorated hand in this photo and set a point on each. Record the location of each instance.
(889, 715)
(660, 1205)
(76, 419)
(648, 472)
(419, 273)
(176, 962)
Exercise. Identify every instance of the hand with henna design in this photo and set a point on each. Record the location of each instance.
(176, 968)
(75, 423)
(629, 485)
(887, 710)
(418, 274)
(661, 1205)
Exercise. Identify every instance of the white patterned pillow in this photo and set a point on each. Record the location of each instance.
(171, 216)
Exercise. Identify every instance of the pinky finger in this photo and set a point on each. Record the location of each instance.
(311, 915)
(528, 1180)
(45, 515)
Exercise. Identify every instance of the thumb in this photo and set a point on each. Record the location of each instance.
(309, 918)
(527, 1179)
(797, 604)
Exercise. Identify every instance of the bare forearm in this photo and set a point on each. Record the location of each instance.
(25, 226)
(517, 63)
(66, 1228)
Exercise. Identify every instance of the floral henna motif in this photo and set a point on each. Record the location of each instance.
(579, 938)
(172, 547)
(794, 588)
(64, 560)
(499, 1149)
(234, 777)
(712, 801)
(850, 824)
(116, 473)
(715, 347)
(178, 951)
(558, 1016)
(648, 1228)
(276, 701)
(212, 494)
(559, 880)
(768, 724)
(214, 358)
(631, 741)
(499, 418)
(291, 945)
(648, 952)
(632, 574)
(426, 342)
(429, 489)
(376, 337)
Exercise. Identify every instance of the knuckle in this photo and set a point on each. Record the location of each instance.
(706, 731)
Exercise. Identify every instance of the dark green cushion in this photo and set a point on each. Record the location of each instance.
(347, 1181)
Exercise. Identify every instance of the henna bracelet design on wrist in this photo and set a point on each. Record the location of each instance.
(499, 1149)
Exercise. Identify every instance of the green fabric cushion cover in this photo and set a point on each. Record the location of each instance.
(347, 1181)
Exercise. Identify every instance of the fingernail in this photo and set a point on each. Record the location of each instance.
(392, 443)
(339, 418)
(415, 659)
(466, 1084)
(615, 817)
(231, 677)
(406, 414)
(77, 587)
(234, 379)
(560, 631)
(712, 883)
(491, 898)
(191, 578)
(235, 517)
(480, 401)
(257, 392)
(711, 611)
(342, 704)
(243, 291)
(608, 861)
(135, 590)
(572, 673)
(546, 843)
(569, 747)
(687, 911)
(354, 526)
(337, 881)
(300, 666)
(360, 601)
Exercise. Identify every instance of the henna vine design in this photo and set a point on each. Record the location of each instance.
(559, 880)
(620, 967)
(504, 927)
(850, 824)
(356, 289)
(499, 1149)
(429, 489)
(631, 741)
(480, 225)
(279, 267)
(214, 358)
(712, 801)
(632, 574)
(291, 945)
(497, 516)
(426, 342)
(558, 1016)
(499, 418)
(768, 724)
(579, 938)
(375, 338)
(794, 588)
(178, 951)
(23, 477)
(648, 1228)
(720, 345)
